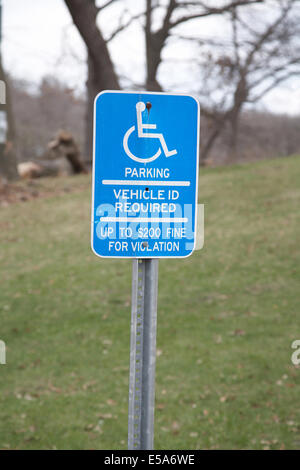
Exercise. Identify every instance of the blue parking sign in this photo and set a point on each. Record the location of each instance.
(145, 175)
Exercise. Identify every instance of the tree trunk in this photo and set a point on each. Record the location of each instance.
(233, 139)
(151, 82)
(234, 128)
(91, 92)
(240, 97)
(101, 73)
(154, 44)
(218, 126)
(8, 160)
(153, 59)
(206, 149)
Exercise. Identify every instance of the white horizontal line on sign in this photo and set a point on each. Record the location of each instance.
(143, 219)
(146, 183)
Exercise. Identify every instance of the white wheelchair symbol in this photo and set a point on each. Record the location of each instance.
(140, 107)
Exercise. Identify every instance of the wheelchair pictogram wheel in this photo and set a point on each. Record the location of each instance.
(130, 154)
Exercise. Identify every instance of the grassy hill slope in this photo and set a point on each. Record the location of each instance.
(226, 319)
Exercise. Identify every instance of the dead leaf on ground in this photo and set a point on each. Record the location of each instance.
(239, 332)
(111, 402)
(175, 427)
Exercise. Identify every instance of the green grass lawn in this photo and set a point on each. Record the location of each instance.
(227, 316)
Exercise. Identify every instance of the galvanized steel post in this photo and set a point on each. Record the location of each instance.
(142, 354)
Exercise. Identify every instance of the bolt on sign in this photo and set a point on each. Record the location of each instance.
(145, 175)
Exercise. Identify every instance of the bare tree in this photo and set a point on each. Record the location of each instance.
(101, 70)
(174, 14)
(262, 52)
(8, 159)
(40, 115)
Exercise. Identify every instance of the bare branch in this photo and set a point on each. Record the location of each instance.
(273, 85)
(212, 11)
(166, 22)
(107, 4)
(236, 45)
(123, 26)
(268, 32)
(274, 71)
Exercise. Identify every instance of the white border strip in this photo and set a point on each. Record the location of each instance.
(146, 183)
(144, 219)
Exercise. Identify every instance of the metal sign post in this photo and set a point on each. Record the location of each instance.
(144, 207)
(142, 354)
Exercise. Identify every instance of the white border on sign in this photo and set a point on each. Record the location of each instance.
(93, 179)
